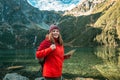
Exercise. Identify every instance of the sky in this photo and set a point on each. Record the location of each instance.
(57, 5)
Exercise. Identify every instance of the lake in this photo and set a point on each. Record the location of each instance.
(97, 62)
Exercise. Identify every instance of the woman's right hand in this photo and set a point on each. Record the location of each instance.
(52, 46)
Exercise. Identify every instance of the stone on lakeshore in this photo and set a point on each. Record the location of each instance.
(14, 76)
(41, 78)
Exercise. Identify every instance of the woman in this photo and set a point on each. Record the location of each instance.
(52, 50)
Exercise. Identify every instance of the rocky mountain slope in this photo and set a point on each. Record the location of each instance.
(91, 23)
(21, 25)
(86, 7)
(100, 27)
(109, 22)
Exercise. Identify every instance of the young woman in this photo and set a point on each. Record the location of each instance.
(52, 50)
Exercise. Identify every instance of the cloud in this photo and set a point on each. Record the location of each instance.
(57, 5)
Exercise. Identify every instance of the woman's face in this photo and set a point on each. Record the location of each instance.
(55, 33)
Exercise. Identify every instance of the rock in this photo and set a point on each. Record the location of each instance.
(14, 76)
(41, 78)
(80, 78)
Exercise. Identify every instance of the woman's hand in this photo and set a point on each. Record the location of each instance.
(69, 54)
(53, 46)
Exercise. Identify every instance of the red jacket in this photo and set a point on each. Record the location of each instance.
(54, 59)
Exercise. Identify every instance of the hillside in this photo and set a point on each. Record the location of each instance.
(101, 27)
(90, 23)
(109, 22)
(21, 25)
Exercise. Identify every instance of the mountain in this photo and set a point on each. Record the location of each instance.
(99, 27)
(20, 11)
(91, 23)
(84, 8)
(109, 22)
(21, 24)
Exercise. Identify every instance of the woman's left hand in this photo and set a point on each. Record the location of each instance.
(67, 56)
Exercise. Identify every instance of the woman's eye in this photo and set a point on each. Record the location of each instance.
(53, 31)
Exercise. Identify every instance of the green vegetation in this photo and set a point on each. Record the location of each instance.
(82, 64)
(78, 31)
(98, 29)
(100, 63)
(109, 23)
(97, 62)
(102, 27)
(110, 67)
(20, 36)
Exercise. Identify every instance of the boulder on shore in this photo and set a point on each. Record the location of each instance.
(14, 76)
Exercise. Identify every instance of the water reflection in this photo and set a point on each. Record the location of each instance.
(110, 68)
(85, 62)
(24, 57)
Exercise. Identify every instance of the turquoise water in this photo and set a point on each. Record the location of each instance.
(85, 62)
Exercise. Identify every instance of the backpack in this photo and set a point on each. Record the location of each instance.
(42, 60)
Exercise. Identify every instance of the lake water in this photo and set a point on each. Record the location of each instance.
(86, 62)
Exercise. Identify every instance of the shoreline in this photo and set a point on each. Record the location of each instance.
(32, 75)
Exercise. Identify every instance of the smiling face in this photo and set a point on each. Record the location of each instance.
(55, 33)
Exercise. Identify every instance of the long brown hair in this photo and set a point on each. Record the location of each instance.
(50, 37)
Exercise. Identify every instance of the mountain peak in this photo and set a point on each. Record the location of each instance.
(86, 7)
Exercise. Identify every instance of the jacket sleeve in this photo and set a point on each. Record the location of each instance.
(43, 53)
(43, 49)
